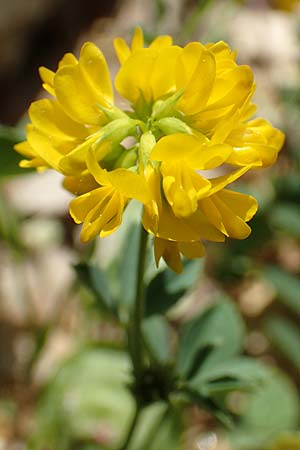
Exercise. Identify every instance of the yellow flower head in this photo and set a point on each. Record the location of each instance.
(191, 135)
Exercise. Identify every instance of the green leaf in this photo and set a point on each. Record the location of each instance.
(273, 406)
(157, 334)
(159, 428)
(269, 410)
(285, 335)
(88, 397)
(286, 285)
(10, 225)
(9, 158)
(215, 335)
(167, 287)
(286, 217)
(127, 264)
(233, 374)
(96, 281)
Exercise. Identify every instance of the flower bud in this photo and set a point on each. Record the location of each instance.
(127, 158)
(170, 125)
(117, 130)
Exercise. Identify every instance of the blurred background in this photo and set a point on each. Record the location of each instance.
(55, 393)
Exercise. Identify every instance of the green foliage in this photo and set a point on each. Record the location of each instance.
(272, 408)
(287, 286)
(9, 159)
(159, 428)
(285, 336)
(96, 281)
(10, 225)
(87, 398)
(238, 373)
(285, 216)
(213, 336)
(157, 335)
(167, 287)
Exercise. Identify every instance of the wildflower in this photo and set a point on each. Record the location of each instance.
(191, 137)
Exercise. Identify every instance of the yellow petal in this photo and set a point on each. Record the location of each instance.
(177, 147)
(244, 206)
(213, 214)
(232, 89)
(47, 76)
(235, 225)
(137, 40)
(255, 142)
(219, 183)
(80, 185)
(43, 148)
(183, 187)
(162, 77)
(77, 97)
(192, 250)
(25, 149)
(122, 50)
(132, 80)
(67, 60)
(116, 220)
(199, 86)
(81, 206)
(196, 153)
(147, 74)
(189, 229)
(161, 42)
(47, 116)
(100, 210)
(130, 184)
(74, 163)
(94, 66)
(168, 250)
(187, 63)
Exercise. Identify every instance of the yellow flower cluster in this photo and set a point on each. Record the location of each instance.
(186, 136)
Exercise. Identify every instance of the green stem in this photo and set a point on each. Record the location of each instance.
(138, 308)
(135, 330)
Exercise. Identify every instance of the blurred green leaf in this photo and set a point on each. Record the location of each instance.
(10, 225)
(157, 335)
(215, 335)
(9, 158)
(286, 217)
(270, 409)
(246, 372)
(286, 285)
(87, 399)
(96, 281)
(127, 263)
(159, 428)
(285, 335)
(167, 287)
